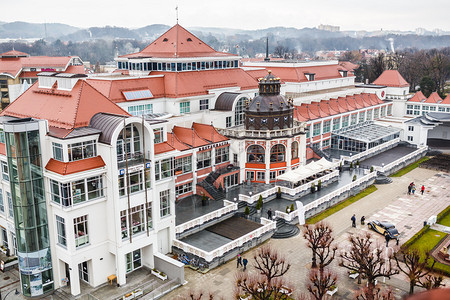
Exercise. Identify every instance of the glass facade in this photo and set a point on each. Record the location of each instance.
(30, 212)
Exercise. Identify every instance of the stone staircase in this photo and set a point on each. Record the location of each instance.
(59, 294)
(212, 190)
(382, 179)
(285, 230)
(320, 152)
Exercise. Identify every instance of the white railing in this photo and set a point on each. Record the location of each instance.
(287, 190)
(328, 197)
(228, 207)
(370, 151)
(241, 132)
(210, 256)
(405, 158)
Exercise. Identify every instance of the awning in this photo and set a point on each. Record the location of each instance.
(310, 169)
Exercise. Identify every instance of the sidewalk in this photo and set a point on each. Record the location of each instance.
(388, 201)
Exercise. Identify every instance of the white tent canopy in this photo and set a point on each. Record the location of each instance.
(310, 169)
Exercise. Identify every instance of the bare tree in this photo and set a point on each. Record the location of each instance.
(270, 263)
(368, 260)
(374, 294)
(320, 241)
(414, 265)
(431, 281)
(259, 288)
(268, 283)
(193, 295)
(320, 283)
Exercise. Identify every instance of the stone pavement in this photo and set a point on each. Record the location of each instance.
(389, 202)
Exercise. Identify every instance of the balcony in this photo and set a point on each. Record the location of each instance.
(134, 158)
(241, 133)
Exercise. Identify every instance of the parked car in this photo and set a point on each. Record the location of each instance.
(384, 228)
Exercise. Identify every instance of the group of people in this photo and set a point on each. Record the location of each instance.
(363, 219)
(412, 189)
(241, 262)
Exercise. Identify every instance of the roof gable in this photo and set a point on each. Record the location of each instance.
(418, 97)
(177, 42)
(434, 98)
(391, 78)
(62, 109)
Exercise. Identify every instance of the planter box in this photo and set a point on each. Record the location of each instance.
(128, 296)
(138, 293)
(331, 293)
(157, 274)
(354, 275)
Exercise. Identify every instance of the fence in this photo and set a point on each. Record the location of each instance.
(268, 225)
(404, 159)
(229, 207)
(161, 290)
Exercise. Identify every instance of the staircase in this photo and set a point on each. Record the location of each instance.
(320, 152)
(382, 178)
(285, 230)
(59, 294)
(211, 189)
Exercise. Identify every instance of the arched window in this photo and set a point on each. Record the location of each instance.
(239, 111)
(132, 143)
(256, 154)
(277, 153)
(294, 150)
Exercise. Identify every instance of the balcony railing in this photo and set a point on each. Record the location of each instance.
(241, 132)
(134, 158)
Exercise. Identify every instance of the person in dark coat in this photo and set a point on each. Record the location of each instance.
(245, 261)
(388, 238)
(409, 189)
(353, 220)
(269, 214)
(239, 261)
(363, 219)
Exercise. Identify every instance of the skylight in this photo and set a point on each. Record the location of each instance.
(133, 95)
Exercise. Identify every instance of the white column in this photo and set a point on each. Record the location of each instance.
(121, 268)
(267, 161)
(74, 280)
(289, 153)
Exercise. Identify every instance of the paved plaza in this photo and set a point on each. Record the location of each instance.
(390, 202)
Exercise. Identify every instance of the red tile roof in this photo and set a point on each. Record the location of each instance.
(391, 78)
(163, 148)
(208, 133)
(418, 97)
(189, 137)
(348, 65)
(13, 66)
(66, 168)
(13, 53)
(183, 84)
(308, 112)
(178, 42)
(173, 141)
(63, 109)
(113, 88)
(446, 100)
(434, 98)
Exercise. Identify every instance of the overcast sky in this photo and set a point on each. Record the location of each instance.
(242, 14)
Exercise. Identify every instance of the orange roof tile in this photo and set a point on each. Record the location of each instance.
(113, 88)
(63, 109)
(418, 97)
(434, 98)
(178, 42)
(14, 53)
(344, 104)
(66, 168)
(348, 65)
(176, 143)
(163, 148)
(446, 100)
(208, 132)
(391, 78)
(315, 110)
(301, 113)
(334, 104)
(183, 84)
(13, 66)
(189, 137)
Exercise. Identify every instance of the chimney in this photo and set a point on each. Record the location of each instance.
(267, 50)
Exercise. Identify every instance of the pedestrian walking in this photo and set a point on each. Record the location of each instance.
(269, 214)
(363, 219)
(413, 189)
(353, 220)
(245, 261)
(239, 261)
(409, 189)
(422, 189)
(388, 238)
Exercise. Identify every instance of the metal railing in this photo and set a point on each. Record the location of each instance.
(228, 207)
(405, 158)
(268, 225)
(243, 133)
(370, 151)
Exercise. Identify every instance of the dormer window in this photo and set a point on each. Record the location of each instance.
(82, 150)
(165, 40)
(310, 76)
(189, 40)
(344, 73)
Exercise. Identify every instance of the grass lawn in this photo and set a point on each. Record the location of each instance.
(410, 167)
(341, 205)
(445, 220)
(427, 242)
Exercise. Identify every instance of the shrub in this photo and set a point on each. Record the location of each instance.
(371, 169)
(292, 207)
(319, 185)
(351, 165)
(357, 163)
(247, 211)
(354, 178)
(287, 209)
(313, 187)
(259, 204)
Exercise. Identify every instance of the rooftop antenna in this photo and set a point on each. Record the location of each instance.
(267, 50)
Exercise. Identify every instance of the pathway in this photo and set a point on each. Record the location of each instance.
(387, 201)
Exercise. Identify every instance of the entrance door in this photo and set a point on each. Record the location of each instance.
(5, 237)
(84, 271)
